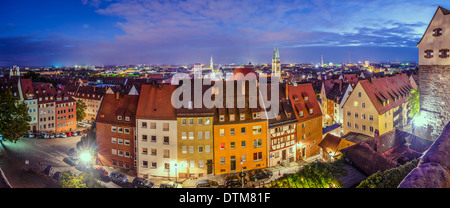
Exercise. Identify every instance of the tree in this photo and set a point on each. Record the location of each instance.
(390, 178)
(83, 180)
(14, 117)
(81, 110)
(314, 175)
(414, 102)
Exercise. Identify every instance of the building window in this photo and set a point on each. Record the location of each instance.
(199, 121)
(256, 115)
(232, 145)
(113, 128)
(120, 129)
(144, 164)
(191, 149)
(120, 141)
(153, 139)
(144, 125)
(165, 126)
(232, 117)
(222, 118)
(127, 131)
(363, 127)
(200, 135)
(371, 129)
(166, 154)
(207, 149)
(356, 114)
(207, 121)
(222, 160)
(222, 132)
(191, 121)
(119, 118)
(363, 105)
(191, 135)
(207, 135)
(444, 53)
(200, 149)
(144, 151)
(113, 140)
(144, 138)
(166, 140)
(257, 130)
(355, 104)
(152, 125)
(257, 143)
(243, 144)
(437, 32)
(257, 156)
(222, 146)
(232, 131)
(183, 136)
(183, 121)
(370, 117)
(242, 130)
(242, 115)
(428, 54)
(363, 116)
(127, 118)
(153, 152)
(359, 94)
(184, 149)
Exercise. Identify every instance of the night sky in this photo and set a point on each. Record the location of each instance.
(96, 32)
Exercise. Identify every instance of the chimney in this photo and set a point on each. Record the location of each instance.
(117, 95)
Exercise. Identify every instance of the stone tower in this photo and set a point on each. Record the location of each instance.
(276, 64)
(434, 73)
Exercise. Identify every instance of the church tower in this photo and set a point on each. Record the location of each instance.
(276, 64)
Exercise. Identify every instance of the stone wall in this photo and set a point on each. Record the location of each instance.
(433, 170)
(435, 96)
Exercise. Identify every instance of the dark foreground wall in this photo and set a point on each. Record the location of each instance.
(433, 170)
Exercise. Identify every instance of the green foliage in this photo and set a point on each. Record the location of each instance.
(84, 180)
(14, 117)
(390, 178)
(81, 110)
(314, 175)
(414, 103)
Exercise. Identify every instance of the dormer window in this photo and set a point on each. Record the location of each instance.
(306, 98)
(232, 117)
(119, 118)
(242, 116)
(444, 53)
(437, 32)
(256, 115)
(221, 117)
(310, 111)
(428, 54)
(127, 118)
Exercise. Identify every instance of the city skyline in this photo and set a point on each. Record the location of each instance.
(88, 32)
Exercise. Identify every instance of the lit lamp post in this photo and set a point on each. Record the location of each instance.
(86, 158)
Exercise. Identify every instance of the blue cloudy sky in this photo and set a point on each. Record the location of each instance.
(95, 32)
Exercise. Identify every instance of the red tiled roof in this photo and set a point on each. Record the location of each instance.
(124, 106)
(301, 105)
(383, 89)
(155, 102)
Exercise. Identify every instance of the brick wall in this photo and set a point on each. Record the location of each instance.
(435, 96)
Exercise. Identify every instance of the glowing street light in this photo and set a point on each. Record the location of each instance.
(86, 157)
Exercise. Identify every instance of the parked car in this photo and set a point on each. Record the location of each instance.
(57, 176)
(234, 181)
(170, 185)
(62, 135)
(69, 134)
(44, 135)
(206, 183)
(72, 152)
(51, 135)
(48, 170)
(81, 124)
(118, 177)
(79, 133)
(73, 133)
(70, 161)
(142, 183)
(100, 171)
(28, 135)
(259, 174)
